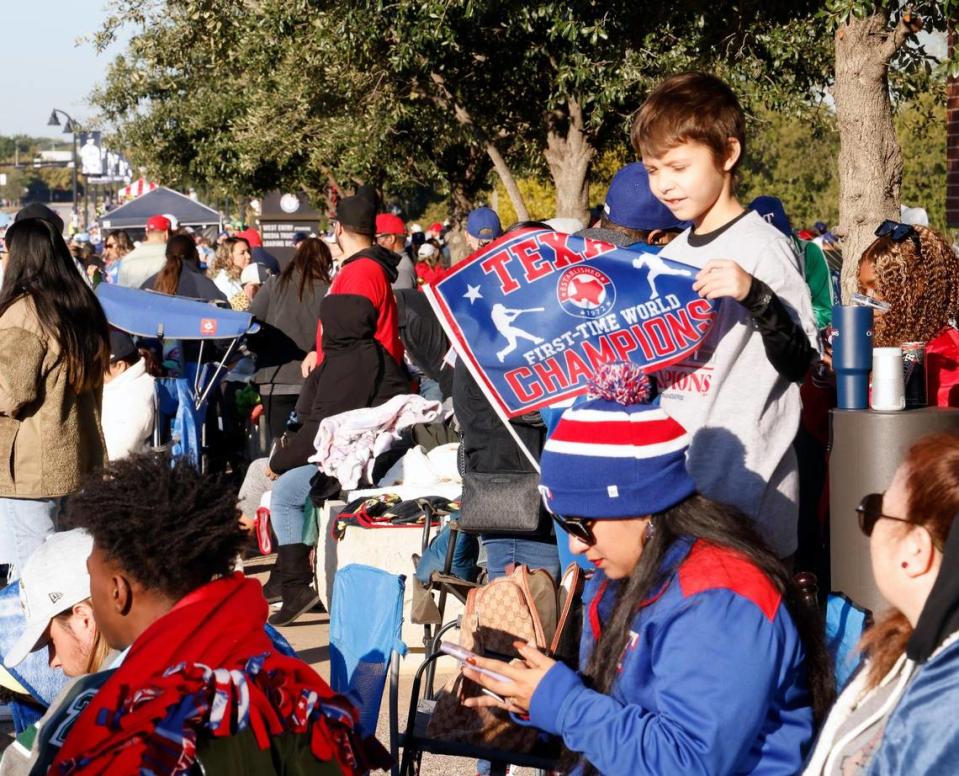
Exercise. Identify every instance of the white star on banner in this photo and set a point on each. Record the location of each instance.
(473, 293)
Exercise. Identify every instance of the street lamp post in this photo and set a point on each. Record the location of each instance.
(71, 127)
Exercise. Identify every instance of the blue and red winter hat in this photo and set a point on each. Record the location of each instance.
(617, 454)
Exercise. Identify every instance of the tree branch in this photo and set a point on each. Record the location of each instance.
(897, 37)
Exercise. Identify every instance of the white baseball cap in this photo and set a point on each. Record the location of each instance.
(426, 251)
(254, 273)
(54, 579)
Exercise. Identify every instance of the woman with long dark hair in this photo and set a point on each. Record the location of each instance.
(698, 655)
(289, 306)
(54, 349)
(894, 715)
(181, 274)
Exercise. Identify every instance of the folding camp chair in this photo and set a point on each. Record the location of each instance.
(366, 619)
(445, 584)
(845, 624)
(415, 742)
(33, 682)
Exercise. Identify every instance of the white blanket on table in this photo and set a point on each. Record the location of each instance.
(349, 442)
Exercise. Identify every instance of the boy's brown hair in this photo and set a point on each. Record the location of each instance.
(690, 106)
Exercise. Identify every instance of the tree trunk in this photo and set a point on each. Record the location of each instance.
(569, 157)
(870, 160)
(460, 206)
(509, 182)
(465, 120)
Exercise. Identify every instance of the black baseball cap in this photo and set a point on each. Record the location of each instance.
(358, 214)
(37, 210)
(121, 345)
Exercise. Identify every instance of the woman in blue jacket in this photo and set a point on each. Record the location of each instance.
(697, 655)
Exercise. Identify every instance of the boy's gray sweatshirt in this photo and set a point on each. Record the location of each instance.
(741, 415)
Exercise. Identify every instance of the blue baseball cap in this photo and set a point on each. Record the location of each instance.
(772, 212)
(631, 203)
(483, 224)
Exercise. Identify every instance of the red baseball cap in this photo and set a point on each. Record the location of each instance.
(158, 224)
(436, 227)
(387, 223)
(251, 236)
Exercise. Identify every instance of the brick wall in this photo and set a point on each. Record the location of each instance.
(952, 146)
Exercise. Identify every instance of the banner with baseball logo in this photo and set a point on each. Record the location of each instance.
(535, 312)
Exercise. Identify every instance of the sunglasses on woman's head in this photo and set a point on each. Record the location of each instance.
(870, 512)
(899, 232)
(578, 527)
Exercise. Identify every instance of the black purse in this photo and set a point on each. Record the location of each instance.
(500, 502)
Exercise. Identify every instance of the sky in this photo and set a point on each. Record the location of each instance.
(42, 67)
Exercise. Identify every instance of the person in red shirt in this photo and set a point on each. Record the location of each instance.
(916, 271)
(429, 270)
(368, 271)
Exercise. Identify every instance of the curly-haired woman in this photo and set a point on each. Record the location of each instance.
(916, 271)
(232, 256)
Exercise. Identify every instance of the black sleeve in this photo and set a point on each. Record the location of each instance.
(787, 346)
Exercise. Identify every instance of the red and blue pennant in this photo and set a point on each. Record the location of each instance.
(537, 311)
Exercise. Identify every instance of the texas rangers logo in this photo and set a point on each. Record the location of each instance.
(585, 292)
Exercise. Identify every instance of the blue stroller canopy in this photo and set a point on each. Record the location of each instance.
(151, 314)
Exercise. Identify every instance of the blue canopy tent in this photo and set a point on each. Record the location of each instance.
(181, 399)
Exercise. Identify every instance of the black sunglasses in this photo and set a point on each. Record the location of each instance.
(578, 527)
(899, 232)
(870, 511)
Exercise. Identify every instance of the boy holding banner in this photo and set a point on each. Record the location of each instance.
(738, 394)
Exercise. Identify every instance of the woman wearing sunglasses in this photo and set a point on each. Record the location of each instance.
(899, 713)
(697, 655)
(916, 272)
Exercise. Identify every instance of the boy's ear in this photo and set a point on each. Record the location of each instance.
(733, 152)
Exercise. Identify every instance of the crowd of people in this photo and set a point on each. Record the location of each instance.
(699, 652)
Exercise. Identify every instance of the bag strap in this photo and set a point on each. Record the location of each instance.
(521, 577)
(569, 590)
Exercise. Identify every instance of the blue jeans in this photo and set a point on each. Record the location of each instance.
(501, 551)
(434, 557)
(430, 389)
(290, 492)
(24, 524)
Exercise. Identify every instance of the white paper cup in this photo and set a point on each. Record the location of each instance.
(888, 387)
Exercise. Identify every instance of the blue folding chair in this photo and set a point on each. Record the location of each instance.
(366, 620)
(34, 674)
(845, 623)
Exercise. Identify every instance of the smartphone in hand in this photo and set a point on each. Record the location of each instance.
(462, 654)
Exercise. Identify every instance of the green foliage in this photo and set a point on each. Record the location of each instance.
(921, 127)
(793, 158)
(243, 97)
(29, 147)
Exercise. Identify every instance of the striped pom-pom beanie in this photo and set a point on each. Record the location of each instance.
(615, 455)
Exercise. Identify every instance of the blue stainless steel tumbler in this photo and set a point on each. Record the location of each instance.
(852, 354)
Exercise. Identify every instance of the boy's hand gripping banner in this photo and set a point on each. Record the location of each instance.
(537, 311)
